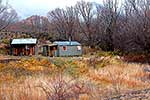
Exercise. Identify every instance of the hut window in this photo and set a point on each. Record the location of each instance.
(65, 48)
(78, 47)
(54, 48)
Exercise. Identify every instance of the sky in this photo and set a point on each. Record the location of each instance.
(27, 8)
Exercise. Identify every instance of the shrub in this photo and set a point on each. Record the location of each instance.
(59, 88)
(135, 58)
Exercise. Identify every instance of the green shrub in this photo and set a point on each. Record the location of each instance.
(5, 41)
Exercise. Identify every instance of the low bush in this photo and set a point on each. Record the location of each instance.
(136, 58)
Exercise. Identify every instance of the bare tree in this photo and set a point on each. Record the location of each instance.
(7, 15)
(64, 22)
(108, 15)
(39, 23)
(39, 26)
(135, 26)
(86, 17)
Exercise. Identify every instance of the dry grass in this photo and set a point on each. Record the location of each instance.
(71, 79)
(44, 88)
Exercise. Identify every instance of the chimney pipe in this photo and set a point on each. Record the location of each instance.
(70, 40)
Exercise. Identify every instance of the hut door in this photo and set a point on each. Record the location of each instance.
(56, 51)
(45, 51)
(53, 50)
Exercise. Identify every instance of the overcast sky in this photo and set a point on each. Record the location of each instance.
(26, 8)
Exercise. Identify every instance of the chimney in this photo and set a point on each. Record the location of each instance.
(70, 40)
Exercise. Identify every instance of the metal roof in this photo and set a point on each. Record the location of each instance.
(52, 44)
(24, 41)
(63, 43)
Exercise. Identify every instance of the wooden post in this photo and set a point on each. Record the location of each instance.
(30, 51)
(16, 51)
(33, 50)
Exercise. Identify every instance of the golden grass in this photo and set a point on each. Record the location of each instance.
(35, 79)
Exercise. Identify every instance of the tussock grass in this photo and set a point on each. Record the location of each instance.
(72, 78)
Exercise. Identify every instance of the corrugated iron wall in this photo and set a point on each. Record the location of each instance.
(70, 51)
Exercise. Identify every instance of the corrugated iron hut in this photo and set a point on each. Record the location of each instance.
(68, 48)
(24, 47)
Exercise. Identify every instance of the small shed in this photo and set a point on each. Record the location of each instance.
(50, 49)
(24, 47)
(68, 48)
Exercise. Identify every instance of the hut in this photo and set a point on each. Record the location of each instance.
(68, 48)
(24, 47)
